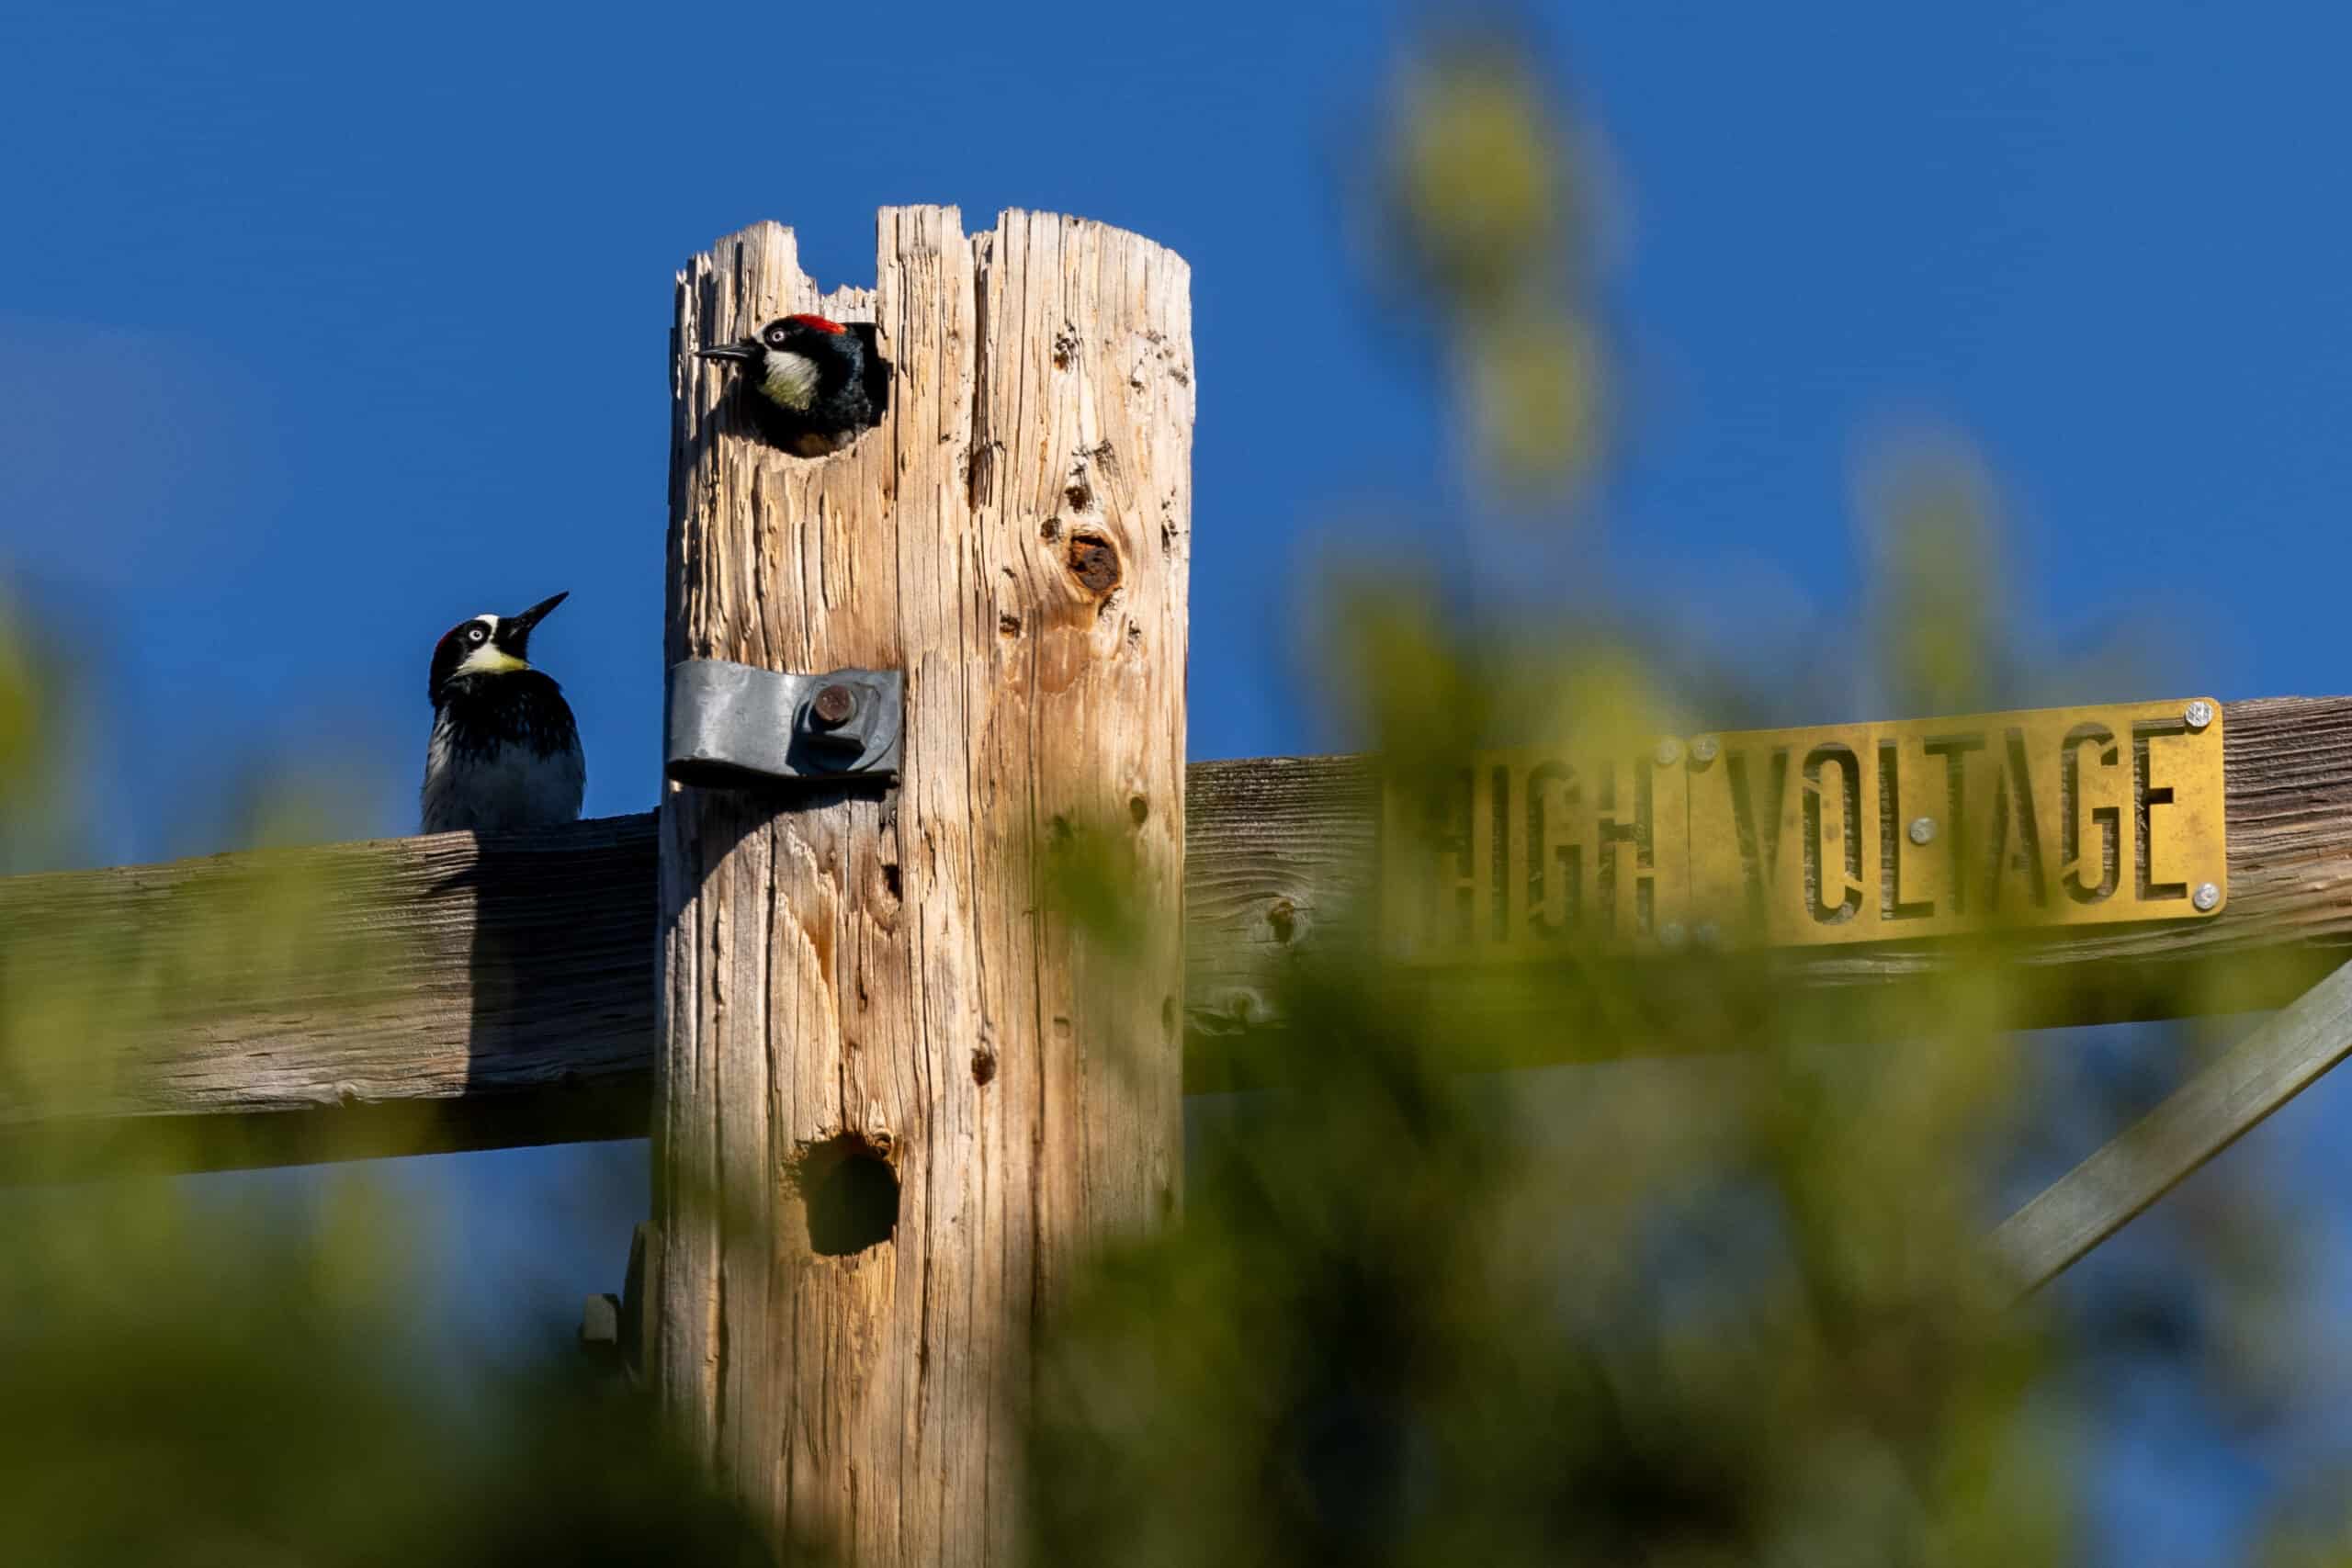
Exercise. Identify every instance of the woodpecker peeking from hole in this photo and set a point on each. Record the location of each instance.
(811, 386)
(505, 752)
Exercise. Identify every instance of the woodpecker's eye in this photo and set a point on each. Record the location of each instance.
(475, 634)
(775, 337)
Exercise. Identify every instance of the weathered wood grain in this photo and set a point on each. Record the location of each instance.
(1279, 861)
(388, 996)
(2286, 1054)
(1280, 853)
(858, 987)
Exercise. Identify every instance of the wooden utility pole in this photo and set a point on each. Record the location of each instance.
(900, 1088)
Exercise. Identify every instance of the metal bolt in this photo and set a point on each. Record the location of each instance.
(1704, 747)
(1670, 935)
(1923, 829)
(1669, 751)
(833, 705)
(2199, 715)
(2205, 898)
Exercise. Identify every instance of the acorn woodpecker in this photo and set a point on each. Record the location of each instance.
(812, 386)
(504, 751)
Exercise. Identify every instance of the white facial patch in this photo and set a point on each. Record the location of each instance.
(791, 378)
(486, 658)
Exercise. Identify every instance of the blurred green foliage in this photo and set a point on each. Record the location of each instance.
(193, 1374)
(1720, 1295)
(186, 1384)
(1487, 220)
(1717, 1296)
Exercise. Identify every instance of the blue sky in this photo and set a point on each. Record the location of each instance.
(322, 328)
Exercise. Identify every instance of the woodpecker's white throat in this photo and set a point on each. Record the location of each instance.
(483, 656)
(790, 378)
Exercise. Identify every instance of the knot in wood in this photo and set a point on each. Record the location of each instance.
(1282, 920)
(1094, 563)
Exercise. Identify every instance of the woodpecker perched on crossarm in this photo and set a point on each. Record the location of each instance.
(811, 386)
(505, 752)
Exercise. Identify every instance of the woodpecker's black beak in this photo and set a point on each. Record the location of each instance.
(514, 631)
(744, 353)
(521, 624)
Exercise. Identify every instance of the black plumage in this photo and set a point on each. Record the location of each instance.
(809, 385)
(505, 752)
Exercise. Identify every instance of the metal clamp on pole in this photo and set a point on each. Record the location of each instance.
(732, 725)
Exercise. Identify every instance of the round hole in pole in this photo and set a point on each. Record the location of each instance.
(824, 422)
(849, 1193)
